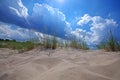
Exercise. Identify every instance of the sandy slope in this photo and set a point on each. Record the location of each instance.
(61, 64)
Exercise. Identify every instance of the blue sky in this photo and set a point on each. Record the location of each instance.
(90, 18)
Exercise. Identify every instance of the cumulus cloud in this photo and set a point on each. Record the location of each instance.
(79, 33)
(13, 12)
(8, 32)
(21, 34)
(99, 28)
(44, 18)
(84, 20)
(50, 20)
(20, 10)
(15, 8)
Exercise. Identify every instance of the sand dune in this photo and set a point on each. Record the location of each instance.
(61, 64)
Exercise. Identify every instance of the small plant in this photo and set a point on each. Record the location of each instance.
(47, 43)
(54, 42)
(76, 43)
(111, 44)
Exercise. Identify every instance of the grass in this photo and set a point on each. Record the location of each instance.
(77, 44)
(111, 44)
(50, 42)
(20, 46)
(74, 43)
(54, 42)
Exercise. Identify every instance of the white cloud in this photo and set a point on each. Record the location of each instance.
(79, 33)
(43, 17)
(83, 20)
(68, 24)
(47, 11)
(47, 17)
(19, 9)
(15, 11)
(99, 28)
(11, 32)
(8, 31)
(23, 9)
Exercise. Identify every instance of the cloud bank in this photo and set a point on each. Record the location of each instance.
(16, 23)
(48, 19)
(99, 28)
(13, 12)
(44, 18)
(17, 33)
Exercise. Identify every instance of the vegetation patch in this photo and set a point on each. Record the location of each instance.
(111, 44)
(13, 44)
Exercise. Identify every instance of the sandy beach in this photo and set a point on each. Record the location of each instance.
(59, 64)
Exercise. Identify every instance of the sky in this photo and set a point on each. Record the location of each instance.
(92, 19)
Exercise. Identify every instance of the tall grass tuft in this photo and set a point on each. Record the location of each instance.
(54, 42)
(47, 42)
(111, 44)
(76, 43)
(50, 42)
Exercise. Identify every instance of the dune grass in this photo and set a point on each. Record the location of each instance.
(75, 43)
(111, 44)
(50, 42)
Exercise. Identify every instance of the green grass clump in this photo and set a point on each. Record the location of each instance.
(77, 44)
(50, 42)
(47, 43)
(54, 42)
(111, 44)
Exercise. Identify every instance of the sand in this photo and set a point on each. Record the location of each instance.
(59, 64)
